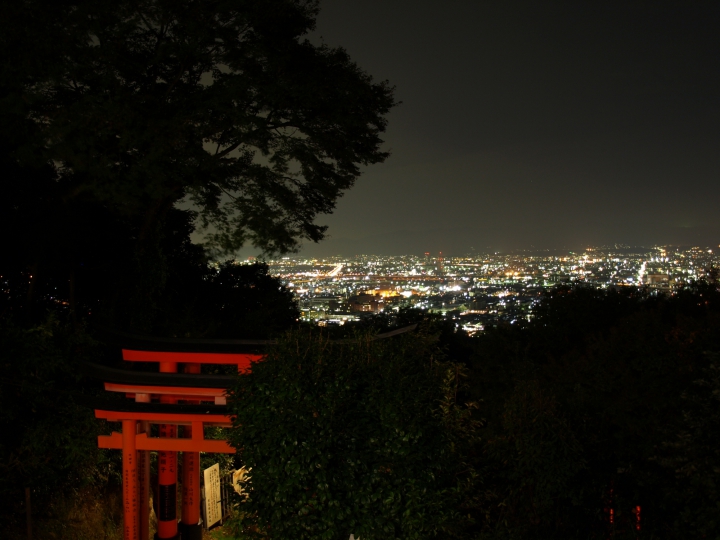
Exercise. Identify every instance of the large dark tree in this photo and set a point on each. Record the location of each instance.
(142, 104)
(112, 113)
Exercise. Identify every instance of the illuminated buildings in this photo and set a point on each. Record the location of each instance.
(476, 292)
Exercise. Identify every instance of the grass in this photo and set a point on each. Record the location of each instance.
(86, 514)
(218, 533)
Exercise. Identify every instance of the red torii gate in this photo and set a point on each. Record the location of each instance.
(156, 397)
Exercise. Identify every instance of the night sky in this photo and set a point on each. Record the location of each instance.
(532, 125)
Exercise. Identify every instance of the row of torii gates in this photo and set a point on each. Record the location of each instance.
(178, 394)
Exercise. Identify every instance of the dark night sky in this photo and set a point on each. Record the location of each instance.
(534, 124)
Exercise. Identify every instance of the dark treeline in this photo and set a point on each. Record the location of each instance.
(600, 416)
(605, 403)
(80, 256)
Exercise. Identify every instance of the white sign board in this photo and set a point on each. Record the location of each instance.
(213, 504)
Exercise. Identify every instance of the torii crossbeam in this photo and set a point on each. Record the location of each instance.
(169, 399)
(177, 395)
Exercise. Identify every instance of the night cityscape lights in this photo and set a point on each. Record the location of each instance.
(476, 292)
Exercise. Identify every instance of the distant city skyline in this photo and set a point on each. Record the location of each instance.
(478, 291)
(488, 251)
(345, 249)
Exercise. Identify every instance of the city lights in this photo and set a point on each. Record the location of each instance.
(476, 292)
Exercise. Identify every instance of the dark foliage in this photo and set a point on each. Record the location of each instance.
(364, 437)
(454, 342)
(693, 453)
(139, 105)
(229, 301)
(595, 405)
(50, 433)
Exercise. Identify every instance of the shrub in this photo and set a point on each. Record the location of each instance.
(363, 437)
(51, 433)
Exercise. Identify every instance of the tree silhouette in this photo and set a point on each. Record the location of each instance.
(144, 104)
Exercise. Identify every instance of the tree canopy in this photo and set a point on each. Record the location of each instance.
(225, 103)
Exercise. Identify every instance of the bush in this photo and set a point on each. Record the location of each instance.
(538, 457)
(693, 454)
(363, 437)
(50, 434)
(606, 400)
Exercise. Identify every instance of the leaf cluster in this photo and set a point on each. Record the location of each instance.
(364, 438)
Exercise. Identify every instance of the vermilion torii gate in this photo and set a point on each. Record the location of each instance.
(177, 395)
